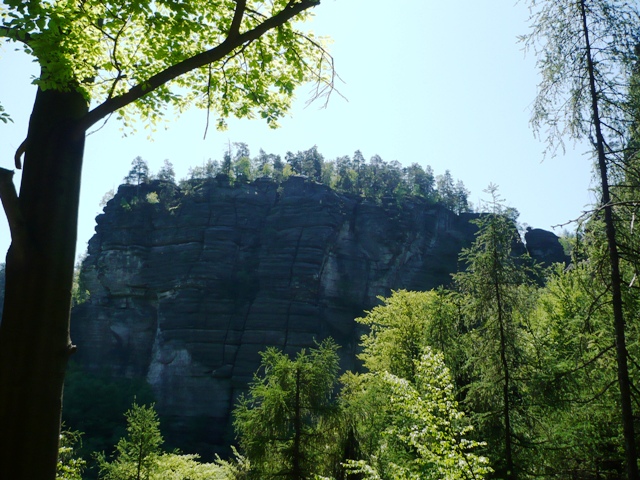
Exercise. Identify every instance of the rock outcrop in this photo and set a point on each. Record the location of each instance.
(188, 286)
(545, 247)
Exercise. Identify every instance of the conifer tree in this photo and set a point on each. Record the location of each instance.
(494, 288)
(167, 173)
(285, 425)
(587, 51)
(137, 453)
(139, 172)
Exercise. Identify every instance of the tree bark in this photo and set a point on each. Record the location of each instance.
(614, 259)
(34, 333)
(506, 398)
(296, 468)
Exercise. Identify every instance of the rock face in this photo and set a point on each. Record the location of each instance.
(187, 287)
(545, 247)
(186, 291)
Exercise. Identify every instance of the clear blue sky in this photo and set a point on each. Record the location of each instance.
(439, 83)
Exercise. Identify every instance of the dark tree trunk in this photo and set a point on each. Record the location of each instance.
(296, 467)
(614, 258)
(506, 387)
(34, 333)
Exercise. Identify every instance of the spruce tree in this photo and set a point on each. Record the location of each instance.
(495, 300)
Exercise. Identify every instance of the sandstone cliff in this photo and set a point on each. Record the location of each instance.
(188, 285)
(187, 290)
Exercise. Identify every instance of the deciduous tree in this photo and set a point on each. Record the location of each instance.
(404, 325)
(402, 413)
(98, 58)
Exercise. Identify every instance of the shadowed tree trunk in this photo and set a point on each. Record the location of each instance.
(39, 275)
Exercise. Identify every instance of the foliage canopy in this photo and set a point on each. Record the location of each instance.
(160, 53)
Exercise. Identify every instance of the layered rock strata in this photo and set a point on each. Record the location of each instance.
(188, 285)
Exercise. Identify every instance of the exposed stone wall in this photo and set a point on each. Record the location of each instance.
(186, 292)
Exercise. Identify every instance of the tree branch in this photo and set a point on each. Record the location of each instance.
(14, 34)
(9, 198)
(18, 155)
(213, 55)
(241, 6)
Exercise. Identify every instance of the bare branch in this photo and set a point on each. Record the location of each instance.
(324, 87)
(19, 152)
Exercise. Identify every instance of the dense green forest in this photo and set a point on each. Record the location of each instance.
(511, 373)
(376, 180)
(514, 372)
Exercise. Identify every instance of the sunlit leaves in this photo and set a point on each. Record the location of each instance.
(138, 452)
(104, 49)
(69, 466)
(406, 323)
(411, 429)
(139, 456)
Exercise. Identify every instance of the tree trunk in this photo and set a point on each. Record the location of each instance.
(614, 258)
(296, 468)
(506, 399)
(34, 333)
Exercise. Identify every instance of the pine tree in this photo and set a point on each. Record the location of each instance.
(167, 173)
(139, 172)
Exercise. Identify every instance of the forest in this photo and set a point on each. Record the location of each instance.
(512, 372)
(376, 180)
(509, 373)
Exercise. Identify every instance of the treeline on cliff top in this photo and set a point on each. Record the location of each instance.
(374, 180)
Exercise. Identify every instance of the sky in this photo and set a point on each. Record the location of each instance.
(435, 82)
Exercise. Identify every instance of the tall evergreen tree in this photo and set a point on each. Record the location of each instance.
(285, 423)
(137, 453)
(571, 377)
(167, 173)
(139, 456)
(139, 172)
(495, 300)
